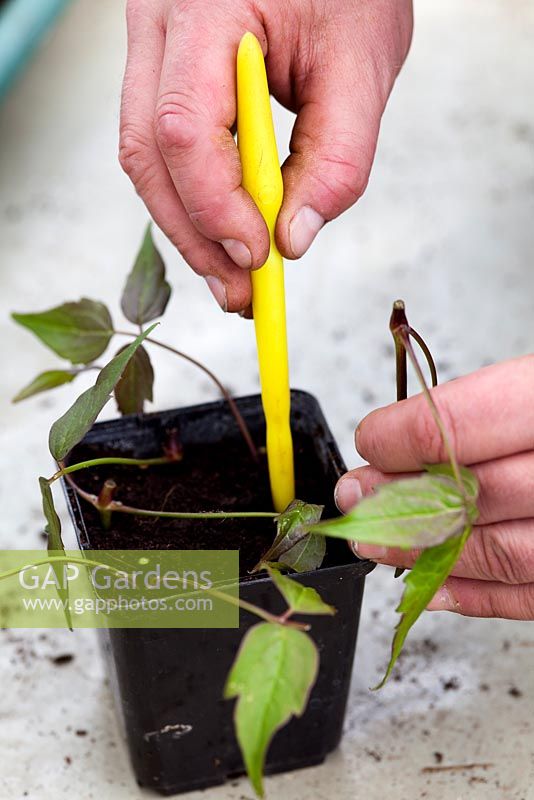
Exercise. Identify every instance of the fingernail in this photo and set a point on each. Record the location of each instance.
(218, 290)
(442, 601)
(303, 229)
(372, 552)
(238, 252)
(347, 493)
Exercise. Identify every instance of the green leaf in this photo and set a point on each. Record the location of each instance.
(300, 599)
(428, 573)
(294, 546)
(69, 429)
(415, 512)
(136, 383)
(469, 480)
(146, 293)
(45, 381)
(55, 542)
(79, 332)
(272, 676)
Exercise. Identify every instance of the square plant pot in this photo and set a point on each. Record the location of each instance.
(169, 683)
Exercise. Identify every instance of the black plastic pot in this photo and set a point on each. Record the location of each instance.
(169, 683)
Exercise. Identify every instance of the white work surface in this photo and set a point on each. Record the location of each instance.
(447, 223)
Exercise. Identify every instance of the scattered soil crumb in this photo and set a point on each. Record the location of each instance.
(374, 754)
(438, 757)
(61, 660)
(452, 684)
(484, 687)
(506, 645)
(513, 691)
(81, 732)
(68, 760)
(476, 779)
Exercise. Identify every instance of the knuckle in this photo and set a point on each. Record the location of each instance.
(490, 605)
(343, 181)
(514, 603)
(526, 602)
(365, 439)
(494, 561)
(341, 172)
(426, 437)
(500, 558)
(176, 123)
(207, 210)
(133, 152)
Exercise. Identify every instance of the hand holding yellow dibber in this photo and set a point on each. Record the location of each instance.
(262, 179)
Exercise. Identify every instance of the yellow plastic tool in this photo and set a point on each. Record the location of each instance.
(262, 178)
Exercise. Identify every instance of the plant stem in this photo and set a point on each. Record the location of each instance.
(116, 506)
(401, 371)
(143, 512)
(97, 462)
(259, 612)
(84, 562)
(435, 412)
(428, 355)
(227, 598)
(223, 390)
(90, 498)
(402, 331)
(401, 367)
(105, 498)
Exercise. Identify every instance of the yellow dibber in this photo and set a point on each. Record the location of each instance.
(262, 178)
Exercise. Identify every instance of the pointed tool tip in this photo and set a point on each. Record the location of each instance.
(249, 42)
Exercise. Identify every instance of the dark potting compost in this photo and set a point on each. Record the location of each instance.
(169, 683)
(220, 476)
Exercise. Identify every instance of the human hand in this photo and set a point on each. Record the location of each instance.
(489, 416)
(333, 62)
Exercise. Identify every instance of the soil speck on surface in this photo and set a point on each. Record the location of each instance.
(374, 754)
(438, 757)
(513, 691)
(61, 660)
(451, 684)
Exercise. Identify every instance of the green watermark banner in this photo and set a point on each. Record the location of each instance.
(119, 589)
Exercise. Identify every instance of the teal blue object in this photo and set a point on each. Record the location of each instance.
(22, 25)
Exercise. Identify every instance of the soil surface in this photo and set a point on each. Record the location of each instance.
(213, 477)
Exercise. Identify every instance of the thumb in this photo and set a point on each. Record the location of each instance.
(332, 150)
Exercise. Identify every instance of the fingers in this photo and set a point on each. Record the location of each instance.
(488, 414)
(141, 159)
(195, 110)
(342, 80)
(506, 487)
(502, 552)
(360, 482)
(474, 598)
(332, 150)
